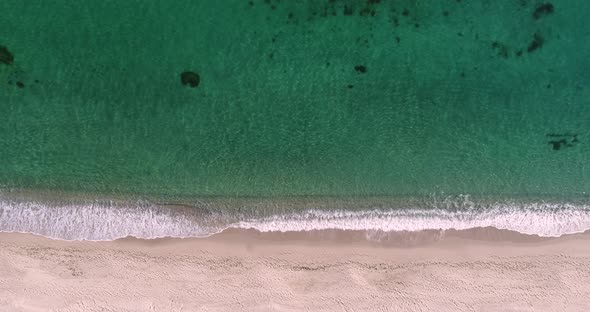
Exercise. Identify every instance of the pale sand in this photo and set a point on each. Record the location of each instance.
(477, 270)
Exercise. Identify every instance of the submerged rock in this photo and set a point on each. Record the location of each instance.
(360, 69)
(190, 78)
(561, 140)
(543, 10)
(6, 56)
(556, 145)
(537, 43)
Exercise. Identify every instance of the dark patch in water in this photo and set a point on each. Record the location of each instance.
(536, 43)
(360, 69)
(565, 139)
(543, 10)
(190, 78)
(348, 10)
(500, 48)
(556, 145)
(6, 56)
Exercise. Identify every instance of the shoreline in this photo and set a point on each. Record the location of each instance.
(384, 220)
(245, 270)
(372, 238)
(103, 219)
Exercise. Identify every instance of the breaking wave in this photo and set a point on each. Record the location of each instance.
(549, 220)
(109, 220)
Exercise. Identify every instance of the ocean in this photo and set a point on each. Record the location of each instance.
(185, 118)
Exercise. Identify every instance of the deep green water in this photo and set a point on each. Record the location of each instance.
(452, 99)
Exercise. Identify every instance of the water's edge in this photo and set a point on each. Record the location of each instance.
(76, 217)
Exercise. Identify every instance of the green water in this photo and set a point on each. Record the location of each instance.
(451, 101)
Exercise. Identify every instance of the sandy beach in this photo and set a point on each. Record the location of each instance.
(473, 270)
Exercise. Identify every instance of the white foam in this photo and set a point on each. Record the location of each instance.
(540, 219)
(104, 221)
(94, 221)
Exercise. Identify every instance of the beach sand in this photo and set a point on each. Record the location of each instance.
(244, 270)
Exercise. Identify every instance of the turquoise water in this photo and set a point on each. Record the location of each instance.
(451, 100)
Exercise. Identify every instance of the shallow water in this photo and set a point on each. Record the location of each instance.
(297, 98)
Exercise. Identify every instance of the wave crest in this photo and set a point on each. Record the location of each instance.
(109, 220)
(543, 219)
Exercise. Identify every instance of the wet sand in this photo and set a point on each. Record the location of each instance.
(474, 270)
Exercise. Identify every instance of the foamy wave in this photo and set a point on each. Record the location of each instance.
(540, 219)
(100, 221)
(110, 220)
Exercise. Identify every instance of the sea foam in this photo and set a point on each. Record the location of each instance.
(104, 220)
(98, 221)
(549, 220)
